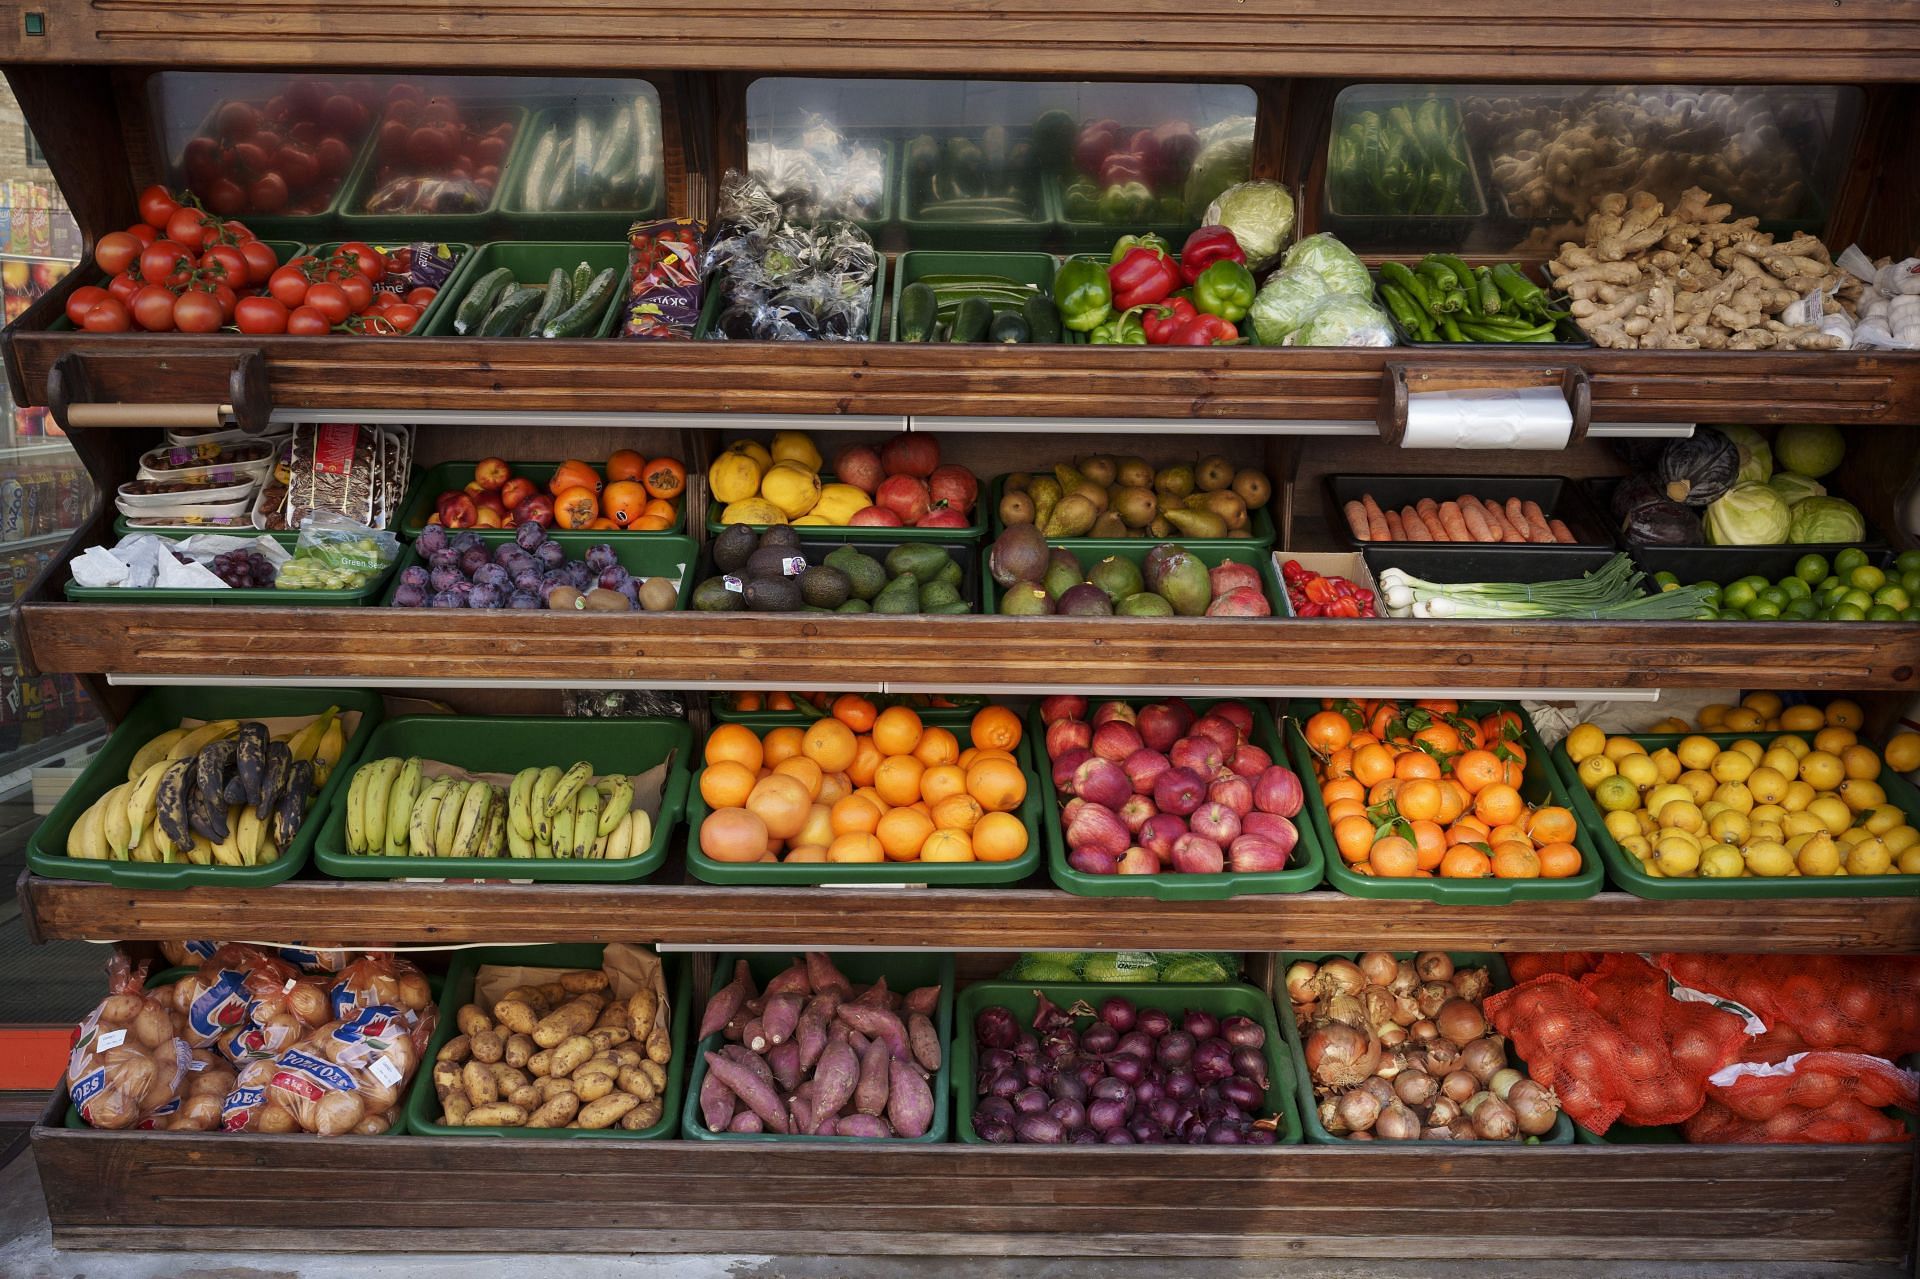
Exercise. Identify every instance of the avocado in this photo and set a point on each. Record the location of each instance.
(1117, 577)
(769, 561)
(773, 595)
(865, 577)
(902, 595)
(712, 596)
(1143, 604)
(935, 594)
(781, 535)
(921, 559)
(855, 606)
(731, 549)
(955, 608)
(825, 586)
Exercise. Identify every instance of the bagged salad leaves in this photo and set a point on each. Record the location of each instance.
(783, 280)
(1174, 966)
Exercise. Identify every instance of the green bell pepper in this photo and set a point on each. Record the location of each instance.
(1081, 291)
(1124, 329)
(1126, 202)
(1082, 202)
(1224, 289)
(1127, 243)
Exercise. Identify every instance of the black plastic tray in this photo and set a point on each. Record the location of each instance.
(1599, 493)
(1557, 495)
(1485, 563)
(1724, 564)
(817, 548)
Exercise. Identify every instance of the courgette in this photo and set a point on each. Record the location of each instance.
(560, 178)
(918, 307)
(1009, 327)
(586, 309)
(970, 321)
(559, 296)
(511, 313)
(1043, 319)
(582, 277)
(582, 158)
(481, 298)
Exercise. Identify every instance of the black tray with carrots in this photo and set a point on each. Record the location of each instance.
(1530, 513)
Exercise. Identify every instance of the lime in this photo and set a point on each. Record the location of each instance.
(1883, 613)
(1894, 597)
(1810, 568)
(1848, 560)
(1710, 593)
(1849, 613)
(1800, 610)
(1776, 596)
(1907, 561)
(1667, 580)
(1910, 581)
(1763, 610)
(1796, 588)
(1732, 615)
(1910, 614)
(1867, 578)
(1705, 614)
(1859, 599)
(1739, 594)
(1757, 581)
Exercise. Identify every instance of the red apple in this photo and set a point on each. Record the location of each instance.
(459, 512)
(944, 517)
(538, 508)
(905, 496)
(859, 465)
(490, 501)
(955, 486)
(1062, 706)
(875, 517)
(1064, 735)
(1138, 861)
(474, 488)
(909, 454)
(492, 473)
(517, 490)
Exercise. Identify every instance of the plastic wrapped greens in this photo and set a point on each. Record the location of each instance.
(782, 281)
(820, 173)
(1183, 966)
(1333, 262)
(1321, 296)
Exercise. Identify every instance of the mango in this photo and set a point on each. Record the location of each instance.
(791, 487)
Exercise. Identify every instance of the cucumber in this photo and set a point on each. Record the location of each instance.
(534, 189)
(560, 178)
(582, 277)
(511, 313)
(559, 295)
(970, 321)
(1043, 319)
(582, 158)
(1009, 327)
(613, 155)
(481, 298)
(918, 307)
(586, 309)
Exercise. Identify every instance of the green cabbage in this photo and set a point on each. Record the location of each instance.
(1814, 449)
(1826, 519)
(1748, 515)
(1756, 455)
(1344, 320)
(1260, 215)
(1226, 157)
(1333, 262)
(1285, 302)
(1796, 488)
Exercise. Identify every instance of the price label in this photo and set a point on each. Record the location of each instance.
(109, 1039)
(793, 565)
(288, 988)
(733, 584)
(385, 1071)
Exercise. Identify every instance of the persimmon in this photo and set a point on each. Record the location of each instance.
(603, 523)
(665, 477)
(624, 501)
(651, 524)
(576, 508)
(573, 474)
(625, 464)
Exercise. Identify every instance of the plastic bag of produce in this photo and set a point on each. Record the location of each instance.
(308, 959)
(349, 1075)
(380, 979)
(1181, 966)
(335, 552)
(1344, 320)
(1339, 269)
(246, 1004)
(663, 290)
(1283, 304)
(128, 1060)
(1812, 1081)
(1866, 1004)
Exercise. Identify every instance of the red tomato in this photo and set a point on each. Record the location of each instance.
(268, 194)
(403, 317)
(237, 120)
(305, 322)
(288, 285)
(296, 164)
(116, 251)
(152, 308)
(188, 226)
(81, 300)
(201, 160)
(143, 233)
(333, 156)
(197, 312)
(237, 231)
(165, 262)
(393, 138)
(490, 150)
(261, 261)
(359, 293)
(229, 265)
(431, 148)
(157, 206)
(123, 286)
(249, 159)
(341, 113)
(225, 296)
(422, 297)
(260, 315)
(365, 260)
(330, 300)
(107, 317)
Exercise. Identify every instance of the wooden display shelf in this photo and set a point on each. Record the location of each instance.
(828, 378)
(125, 1191)
(385, 646)
(1032, 916)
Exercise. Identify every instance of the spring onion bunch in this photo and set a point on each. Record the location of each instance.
(1612, 592)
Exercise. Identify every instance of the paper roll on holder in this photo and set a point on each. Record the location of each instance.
(1400, 381)
(248, 403)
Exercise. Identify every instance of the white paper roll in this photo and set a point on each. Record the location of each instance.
(1535, 417)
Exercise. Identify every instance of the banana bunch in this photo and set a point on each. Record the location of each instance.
(395, 811)
(222, 794)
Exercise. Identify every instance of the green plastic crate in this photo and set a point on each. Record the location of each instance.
(714, 296)
(942, 233)
(161, 710)
(1210, 552)
(971, 534)
(1025, 268)
(1171, 885)
(1561, 1134)
(504, 744)
(356, 224)
(61, 324)
(460, 250)
(1260, 530)
(258, 596)
(653, 557)
(890, 872)
(904, 972)
(448, 477)
(531, 263)
(1541, 785)
(572, 223)
(1225, 999)
(1625, 870)
(1083, 235)
(423, 1107)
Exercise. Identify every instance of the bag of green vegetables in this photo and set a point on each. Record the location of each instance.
(1180, 966)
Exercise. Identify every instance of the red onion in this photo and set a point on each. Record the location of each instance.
(1250, 1063)
(1483, 1058)
(1148, 1091)
(1357, 1110)
(1339, 1055)
(1226, 1132)
(1302, 986)
(1039, 1129)
(1003, 1083)
(1117, 1137)
(1244, 1032)
(995, 1059)
(995, 1027)
(1127, 1069)
(1146, 1131)
(1164, 1112)
(1397, 1123)
(1153, 1022)
(998, 1106)
(1090, 1072)
(1031, 1101)
(1071, 1114)
(1460, 1022)
(1083, 1137)
(1200, 1024)
(1174, 1049)
(1069, 1084)
(1212, 1060)
(1534, 1108)
(1112, 1090)
(1433, 965)
(1262, 1137)
(1106, 1114)
(1033, 1074)
(1180, 1085)
(1026, 1046)
(1099, 1038)
(995, 1129)
(1135, 1043)
(1244, 1093)
(1378, 967)
(1416, 1087)
(1339, 977)
(1459, 1085)
(1118, 1013)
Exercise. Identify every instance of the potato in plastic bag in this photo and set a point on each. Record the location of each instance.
(379, 979)
(127, 1063)
(249, 1004)
(349, 1072)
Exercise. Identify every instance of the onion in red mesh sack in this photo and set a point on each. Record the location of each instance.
(127, 1063)
(1866, 1004)
(1522, 967)
(1814, 1081)
(1846, 1121)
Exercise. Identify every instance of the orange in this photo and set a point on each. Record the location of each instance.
(625, 464)
(726, 784)
(1327, 732)
(665, 477)
(1343, 788)
(872, 796)
(902, 832)
(896, 731)
(937, 746)
(947, 846)
(830, 744)
(855, 815)
(957, 812)
(995, 728)
(735, 742)
(1468, 830)
(1465, 862)
(1552, 825)
(1416, 763)
(779, 701)
(1477, 768)
(855, 711)
(1362, 739)
(624, 501)
(1430, 842)
(967, 757)
(806, 853)
(1438, 705)
(1372, 764)
(818, 828)
(573, 474)
(898, 779)
(855, 846)
(834, 787)
(1508, 832)
(998, 784)
(1394, 857)
(999, 837)
(748, 701)
(1513, 764)
(782, 803)
(1453, 800)
(1441, 737)
(1498, 803)
(804, 771)
(1515, 859)
(1340, 763)
(866, 759)
(1559, 861)
(1353, 836)
(1418, 800)
(1346, 808)
(1382, 791)
(783, 743)
(1505, 725)
(942, 780)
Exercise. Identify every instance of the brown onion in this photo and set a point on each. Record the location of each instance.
(1473, 984)
(1416, 1087)
(1378, 967)
(1361, 1136)
(1436, 1134)
(1406, 1010)
(1358, 1110)
(1494, 1120)
(1345, 1009)
(1433, 965)
(1390, 1035)
(1460, 1022)
(1444, 1110)
(1462, 1129)
(1397, 1123)
(1503, 1081)
(1339, 977)
(1441, 1056)
(1300, 981)
(1339, 1055)
(1459, 1085)
(1330, 1115)
(1405, 979)
(1376, 1005)
(1534, 1107)
(1391, 1064)
(1380, 1088)
(1432, 997)
(1483, 1058)
(1423, 1031)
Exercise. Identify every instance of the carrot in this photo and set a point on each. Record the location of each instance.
(1376, 521)
(1498, 523)
(1477, 525)
(1395, 530)
(1537, 530)
(1454, 523)
(1415, 526)
(1560, 532)
(1357, 521)
(1517, 516)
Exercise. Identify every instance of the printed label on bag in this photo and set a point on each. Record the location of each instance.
(219, 1007)
(385, 1071)
(311, 1077)
(109, 1039)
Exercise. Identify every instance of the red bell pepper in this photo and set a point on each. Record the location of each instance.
(1206, 246)
(1163, 320)
(1204, 330)
(1144, 276)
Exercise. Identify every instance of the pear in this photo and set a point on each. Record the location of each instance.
(1213, 473)
(1174, 482)
(1100, 468)
(1136, 505)
(1072, 516)
(1109, 524)
(1133, 472)
(1196, 524)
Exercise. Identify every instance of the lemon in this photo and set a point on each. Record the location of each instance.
(1766, 830)
(1696, 751)
(1767, 704)
(1730, 828)
(1676, 855)
(791, 487)
(1910, 860)
(1901, 838)
(1618, 746)
(795, 446)
(1651, 868)
(734, 476)
(1713, 808)
(1768, 858)
(1616, 794)
(1733, 797)
(1767, 784)
(1584, 742)
(1660, 796)
(1818, 856)
(1680, 815)
(1730, 766)
(1803, 823)
(1869, 857)
(1621, 825)
(1750, 748)
(1845, 714)
(1798, 796)
(1855, 835)
(1822, 770)
(1861, 795)
(1834, 739)
(1713, 714)
(1743, 719)
(1721, 862)
(813, 519)
(1903, 752)
(1666, 764)
(1785, 763)
(1883, 819)
(1860, 762)
(1638, 769)
(1645, 821)
(1767, 813)
(1791, 742)
(1833, 814)
(1699, 783)
(1672, 724)
(1638, 846)
(1802, 719)
(1595, 769)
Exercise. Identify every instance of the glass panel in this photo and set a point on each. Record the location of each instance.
(1513, 168)
(983, 164)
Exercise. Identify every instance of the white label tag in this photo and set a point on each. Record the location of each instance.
(733, 584)
(109, 1039)
(794, 565)
(288, 988)
(385, 1071)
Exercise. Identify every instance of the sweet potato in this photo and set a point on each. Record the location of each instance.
(726, 1001)
(479, 1083)
(457, 1049)
(607, 1111)
(822, 976)
(753, 1036)
(838, 1032)
(800, 1113)
(874, 996)
(924, 1040)
(784, 1060)
(810, 1032)
(870, 1094)
(859, 1125)
(488, 1046)
(745, 1121)
(519, 1049)
(757, 1093)
(556, 1112)
(781, 1016)
(877, 1023)
(752, 1061)
(502, 1114)
(923, 1000)
(909, 1100)
(790, 981)
(717, 1103)
(835, 1079)
(472, 1019)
